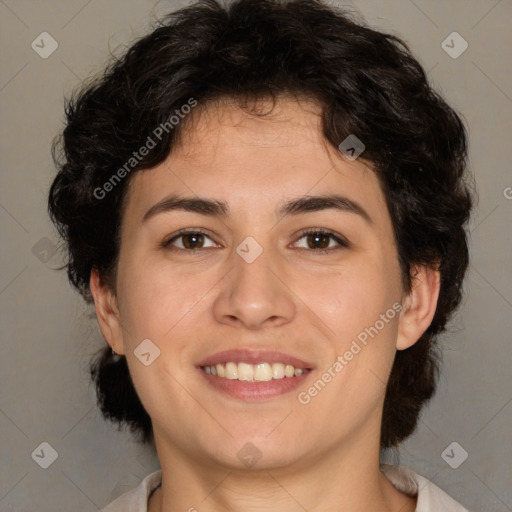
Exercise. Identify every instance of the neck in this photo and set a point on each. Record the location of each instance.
(340, 481)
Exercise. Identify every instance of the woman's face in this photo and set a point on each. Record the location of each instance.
(251, 280)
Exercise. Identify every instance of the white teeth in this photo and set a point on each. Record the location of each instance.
(221, 371)
(231, 371)
(245, 371)
(277, 370)
(289, 370)
(261, 372)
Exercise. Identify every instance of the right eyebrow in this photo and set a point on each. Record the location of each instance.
(189, 204)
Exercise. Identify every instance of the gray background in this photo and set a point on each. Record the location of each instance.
(48, 334)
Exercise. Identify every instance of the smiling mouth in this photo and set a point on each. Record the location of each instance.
(261, 372)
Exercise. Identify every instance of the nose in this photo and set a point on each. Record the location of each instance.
(255, 294)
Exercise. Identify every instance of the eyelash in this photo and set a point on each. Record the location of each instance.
(343, 243)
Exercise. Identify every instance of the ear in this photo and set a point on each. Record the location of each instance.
(107, 312)
(419, 306)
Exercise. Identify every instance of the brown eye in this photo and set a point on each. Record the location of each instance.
(319, 240)
(190, 241)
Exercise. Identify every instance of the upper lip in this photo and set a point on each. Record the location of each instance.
(254, 357)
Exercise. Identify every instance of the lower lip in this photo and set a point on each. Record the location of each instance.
(255, 390)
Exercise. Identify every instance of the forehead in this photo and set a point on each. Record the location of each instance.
(255, 161)
(259, 123)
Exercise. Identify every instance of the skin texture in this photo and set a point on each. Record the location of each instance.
(323, 455)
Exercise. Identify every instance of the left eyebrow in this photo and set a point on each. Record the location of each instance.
(324, 202)
(216, 208)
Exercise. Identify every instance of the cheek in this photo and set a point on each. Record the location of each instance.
(349, 300)
(154, 301)
(160, 307)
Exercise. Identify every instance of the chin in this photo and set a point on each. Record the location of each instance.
(258, 452)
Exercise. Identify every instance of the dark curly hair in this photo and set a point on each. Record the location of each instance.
(366, 82)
